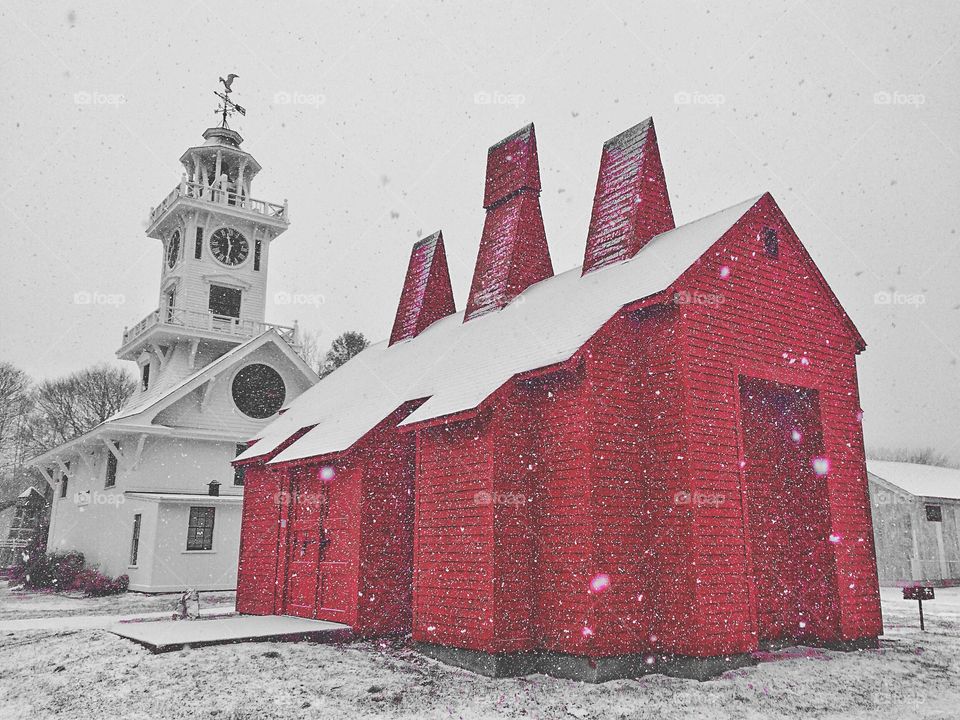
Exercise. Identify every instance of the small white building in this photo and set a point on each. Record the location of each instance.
(151, 492)
(916, 522)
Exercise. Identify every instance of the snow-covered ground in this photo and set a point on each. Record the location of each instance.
(19, 605)
(93, 674)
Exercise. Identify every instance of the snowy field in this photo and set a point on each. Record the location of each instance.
(24, 605)
(89, 673)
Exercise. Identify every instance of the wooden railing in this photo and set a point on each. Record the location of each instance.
(199, 191)
(195, 320)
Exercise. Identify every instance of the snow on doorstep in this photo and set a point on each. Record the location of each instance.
(179, 632)
(919, 480)
(457, 365)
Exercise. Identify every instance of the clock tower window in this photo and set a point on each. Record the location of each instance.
(198, 245)
(170, 304)
(225, 301)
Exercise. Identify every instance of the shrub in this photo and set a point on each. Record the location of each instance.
(40, 570)
(93, 583)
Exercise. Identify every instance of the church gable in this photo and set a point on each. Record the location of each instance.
(241, 395)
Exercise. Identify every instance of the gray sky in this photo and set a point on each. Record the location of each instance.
(374, 123)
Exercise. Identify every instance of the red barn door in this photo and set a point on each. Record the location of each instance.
(304, 544)
(337, 590)
(786, 498)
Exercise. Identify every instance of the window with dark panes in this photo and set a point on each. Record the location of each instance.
(200, 528)
(112, 467)
(934, 513)
(135, 540)
(225, 301)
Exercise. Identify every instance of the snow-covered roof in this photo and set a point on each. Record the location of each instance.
(457, 365)
(184, 497)
(142, 411)
(919, 480)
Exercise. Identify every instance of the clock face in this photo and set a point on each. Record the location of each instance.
(173, 249)
(229, 246)
(258, 391)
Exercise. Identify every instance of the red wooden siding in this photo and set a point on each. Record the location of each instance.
(386, 537)
(453, 561)
(427, 294)
(513, 250)
(746, 313)
(641, 532)
(259, 541)
(631, 204)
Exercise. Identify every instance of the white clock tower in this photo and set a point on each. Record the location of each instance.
(216, 249)
(150, 493)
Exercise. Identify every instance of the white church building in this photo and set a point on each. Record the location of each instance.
(151, 493)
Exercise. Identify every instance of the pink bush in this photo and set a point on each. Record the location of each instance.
(95, 584)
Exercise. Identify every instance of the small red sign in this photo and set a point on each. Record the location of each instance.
(918, 592)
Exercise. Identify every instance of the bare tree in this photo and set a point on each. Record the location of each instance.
(343, 348)
(919, 456)
(310, 349)
(14, 408)
(66, 407)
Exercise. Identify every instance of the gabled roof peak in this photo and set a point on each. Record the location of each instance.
(427, 293)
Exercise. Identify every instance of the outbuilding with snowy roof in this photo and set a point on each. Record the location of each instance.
(653, 461)
(916, 522)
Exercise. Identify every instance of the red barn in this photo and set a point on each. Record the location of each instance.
(653, 462)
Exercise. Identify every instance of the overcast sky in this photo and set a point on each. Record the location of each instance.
(375, 123)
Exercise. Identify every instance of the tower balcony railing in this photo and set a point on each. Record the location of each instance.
(181, 318)
(218, 196)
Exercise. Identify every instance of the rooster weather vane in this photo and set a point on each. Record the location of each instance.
(227, 106)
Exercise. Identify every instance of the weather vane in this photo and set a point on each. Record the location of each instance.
(227, 106)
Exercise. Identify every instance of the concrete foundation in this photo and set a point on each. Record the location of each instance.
(592, 670)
